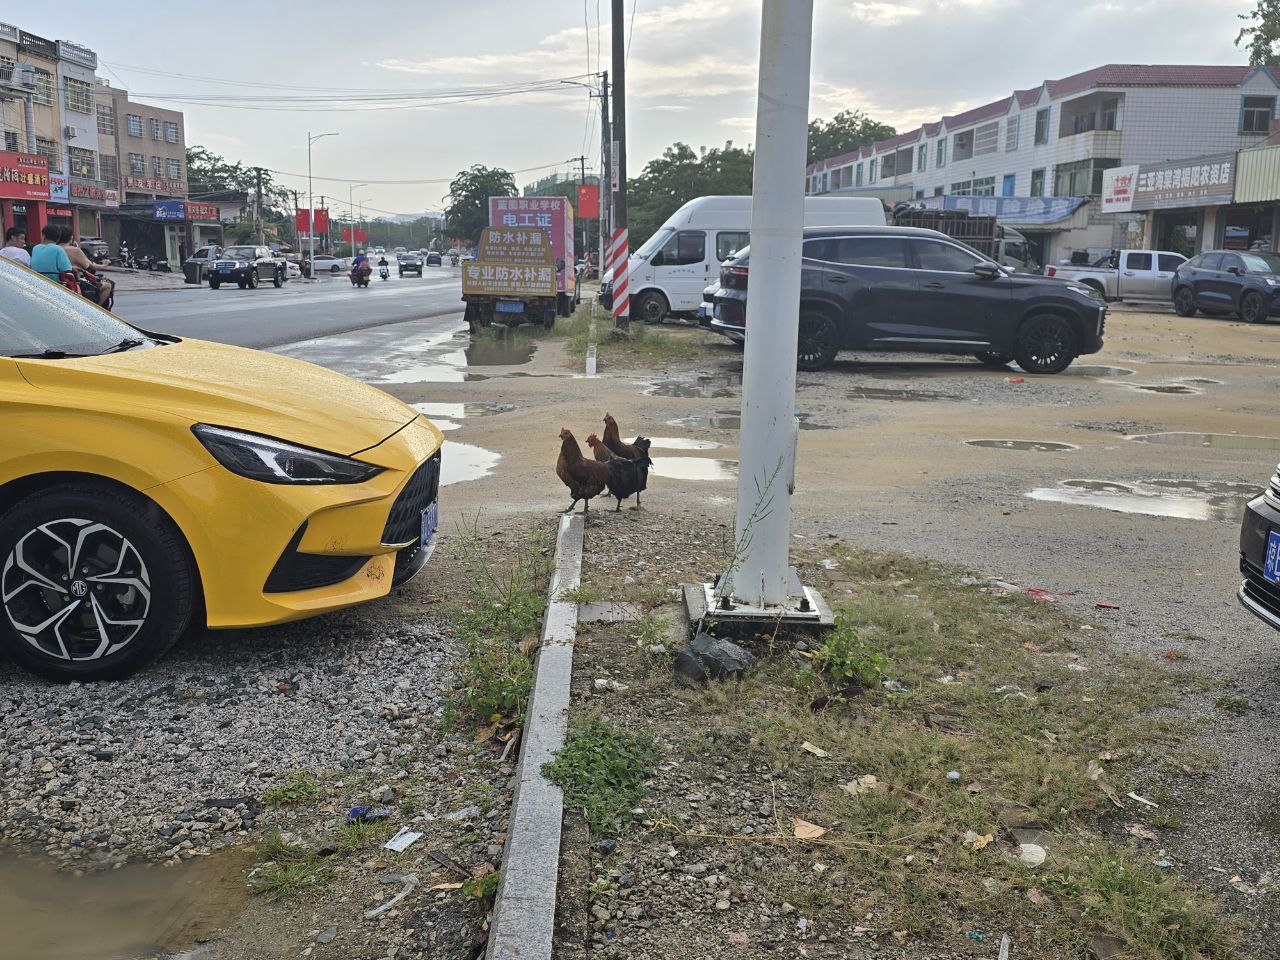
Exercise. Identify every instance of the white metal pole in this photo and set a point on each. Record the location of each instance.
(759, 572)
(311, 205)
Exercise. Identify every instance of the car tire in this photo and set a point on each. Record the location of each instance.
(214, 284)
(650, 306)
(335, 269)
(277, 280)
(1251, 309)
(1184, 302)
(996, 361)
(252, 283)
(242, 284)
(1046, 344)
(819, 340)
(548, 319)
(130, 612)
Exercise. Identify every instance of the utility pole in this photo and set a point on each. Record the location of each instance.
(296, 232)
(606, 171)
(257, 206)
(620, 249)
(325, 245)
(582, 181)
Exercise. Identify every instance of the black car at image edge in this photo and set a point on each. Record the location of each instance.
(1220, 282)
(904, 288)
(1260, 554)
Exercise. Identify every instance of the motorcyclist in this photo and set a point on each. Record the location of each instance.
(360, 265)
(384, 269)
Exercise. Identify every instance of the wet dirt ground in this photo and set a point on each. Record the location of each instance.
(1121, 483)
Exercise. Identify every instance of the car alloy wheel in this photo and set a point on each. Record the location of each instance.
(75, 589)
(1184, 302)
(253, 279)
(1046, 344)
(817, 343)
(1251, 307)
(334, 268)
(278, 280)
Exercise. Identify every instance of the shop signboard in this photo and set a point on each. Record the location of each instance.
(23, 176)
(1118, 185)
(512, 263)
(59, 188)
(168, 210)
(1199, 182)
(202, 212)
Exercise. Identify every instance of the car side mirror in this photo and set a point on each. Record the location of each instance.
(986, 271)
(1235, 270)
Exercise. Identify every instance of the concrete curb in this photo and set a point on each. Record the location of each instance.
(523, 920)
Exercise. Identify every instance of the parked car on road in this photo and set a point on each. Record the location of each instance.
(149, 483)
(196, 267)
(1125, 274)
(707, 308)
(246, 266)
(1260, 554)
(409, 263)
(324, 263)
(433, 259)
(1246, 283)
(904, 288)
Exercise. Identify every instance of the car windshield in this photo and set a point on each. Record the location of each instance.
(1261, 262)
(239, 253)
(39, 317)
(654, 243)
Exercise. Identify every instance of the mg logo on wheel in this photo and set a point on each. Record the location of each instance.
(79, 588)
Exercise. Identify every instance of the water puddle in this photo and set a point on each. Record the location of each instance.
(730, 420)
(446, 416)
(1175, 389)
(465, 461)
(1087, 370)
(682, 443)
(1036, 446)
(881, 393)
(499, 352)
(131, 912)
(704, 387)
(1212, 441)
(1184, 499)
(694, 468)
(1201, 380)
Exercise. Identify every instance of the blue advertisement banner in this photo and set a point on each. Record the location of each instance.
(169, 210)
(1010, 209)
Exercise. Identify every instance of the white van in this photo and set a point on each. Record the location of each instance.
(669, 272)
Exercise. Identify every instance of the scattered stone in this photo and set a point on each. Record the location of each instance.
(711, 658)
(466, 813)
(326, 936)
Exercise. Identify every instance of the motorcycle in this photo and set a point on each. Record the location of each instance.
(359, 278)
(453, 259)
(384, 272)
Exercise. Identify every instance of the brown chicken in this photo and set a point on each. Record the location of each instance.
(628, 451)
(601, 452)
(584, 478)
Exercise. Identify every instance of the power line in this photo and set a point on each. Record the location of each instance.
(631, 29)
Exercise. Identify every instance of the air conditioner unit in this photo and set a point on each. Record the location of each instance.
(24, 75)
(71, 132)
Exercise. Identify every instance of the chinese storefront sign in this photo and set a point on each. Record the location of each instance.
(23, 176)
(1118, 185)
(1202, 182)
(204, 212)
(168, 210)
(512, 263)
(154, 185)
(59, 188)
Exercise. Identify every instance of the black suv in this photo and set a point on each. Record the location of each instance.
(246, 266)
(902, 288)
(1219, 282)
(409, 263)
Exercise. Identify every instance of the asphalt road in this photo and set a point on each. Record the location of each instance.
(299, 310)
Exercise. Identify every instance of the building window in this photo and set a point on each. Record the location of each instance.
(919, 194)
(1110, 114)
(962, 187)
(942, 153)
(937, 191)
(1008, 185)
(77, 95)
(11, 141)
(173, 170)
(922, 157)
(154, 126)
(106, 120)
(49, 150)
(857, 176)
(888, 166)
(986, 139)
(157, 167)
(1082, 178)
(109, 170)
(135, 125)
(170, 132)
(82, 163)
(1011, 134)
(984, 187)
(1037, 182)
(44, 88)
(826, 181)
(137, 165)
(962, 146)
(1042, 126)
(1255, 114)
(871, 178)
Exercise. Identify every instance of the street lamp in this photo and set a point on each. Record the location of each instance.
(351, 205)
(311, 200)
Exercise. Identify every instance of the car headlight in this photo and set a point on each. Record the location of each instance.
(275, 461)
(1272, 281)
(1083, 290)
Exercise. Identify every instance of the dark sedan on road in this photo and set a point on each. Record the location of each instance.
(903, 288)
(1260, 554)
(409, 263)
(433, 259)
(1243, 282)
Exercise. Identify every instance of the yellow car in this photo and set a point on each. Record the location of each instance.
(148, 483)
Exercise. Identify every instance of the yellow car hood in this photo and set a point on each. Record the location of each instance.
(232, 387)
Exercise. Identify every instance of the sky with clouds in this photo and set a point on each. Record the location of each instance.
(691, 71)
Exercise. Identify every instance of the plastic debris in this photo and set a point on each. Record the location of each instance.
(410, 881)
(403, 840)
(893, 686)
(1015, 379)
(1106, 606)
(366, 812)
(977, 937)
(976, 841)
(1141, 832)
(804, 830)
(603, 683)
(1163, 863)
(953, 774)
(860, 785)
(1005, 944)
(1031, 854)
(1143, 800)
(1097, 775)
(1040, 595)
(817, 751)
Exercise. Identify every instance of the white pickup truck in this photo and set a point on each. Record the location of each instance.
(1125, 274)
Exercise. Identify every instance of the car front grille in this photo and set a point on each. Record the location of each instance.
(1259, 590)
(404, 522)
(307, 571)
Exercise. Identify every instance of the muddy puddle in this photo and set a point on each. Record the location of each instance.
(694, 468)
(1183, 499)
(731, 420)
(448, 416)
(705, 387)
(1211, 441)
(1094, 370)
(1033, 446)
(682, 443)
(1173, 389)
(884, 393)
(132, 912)
(465, 461)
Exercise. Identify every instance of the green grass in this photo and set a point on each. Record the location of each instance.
(286, 869)
(353, 837)
(1229, 703)
(301, 787)
(602, 772)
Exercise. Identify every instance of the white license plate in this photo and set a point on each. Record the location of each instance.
(430, 518)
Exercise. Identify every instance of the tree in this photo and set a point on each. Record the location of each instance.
(1262, 34)
(467, 212)
(850, 129)
(679, 176)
